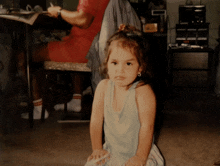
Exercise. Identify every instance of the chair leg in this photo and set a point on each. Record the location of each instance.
(43, 113)
(44, 88)
(65, 107)
(31, 118)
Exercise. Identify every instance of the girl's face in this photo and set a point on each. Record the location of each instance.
(123, 66)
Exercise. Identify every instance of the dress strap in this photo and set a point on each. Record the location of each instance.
(111, 85)
(134, 85)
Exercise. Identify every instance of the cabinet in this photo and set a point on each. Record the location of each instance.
(191, 67)
(193, 34)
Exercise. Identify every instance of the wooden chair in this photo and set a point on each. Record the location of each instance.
(60, 67)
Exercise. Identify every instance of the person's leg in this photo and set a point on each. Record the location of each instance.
(82, 86)
(217, 83)
(78, 83)
(78, 90)
(39, 54)
(75, 103)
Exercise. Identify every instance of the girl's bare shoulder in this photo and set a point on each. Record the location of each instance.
(144, 90)
(103, 82)
(102, 85)
(145, 98)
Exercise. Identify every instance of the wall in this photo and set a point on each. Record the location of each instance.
(66, 4)
(70, 4)
(212, 16)
(10, 3)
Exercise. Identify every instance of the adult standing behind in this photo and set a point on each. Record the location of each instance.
(86, 22)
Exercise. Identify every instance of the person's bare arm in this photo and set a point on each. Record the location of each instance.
(76, 18)
(96, 122)
(97, 116)
(146, 103)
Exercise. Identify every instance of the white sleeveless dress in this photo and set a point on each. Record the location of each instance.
(122, 130)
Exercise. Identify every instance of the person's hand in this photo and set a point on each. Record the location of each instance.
(135, 161)
(53, 11)
(98, 153)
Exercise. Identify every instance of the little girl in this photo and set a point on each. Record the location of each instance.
(125, 103)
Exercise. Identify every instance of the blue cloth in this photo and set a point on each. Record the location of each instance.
(121, 128)
(117, 12)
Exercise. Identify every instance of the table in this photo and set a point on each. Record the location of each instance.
(31, 21)
(8, 19)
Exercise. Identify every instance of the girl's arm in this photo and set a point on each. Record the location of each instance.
(146, 103)
(96, 122)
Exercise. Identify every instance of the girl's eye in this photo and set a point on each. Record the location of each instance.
(129, 64)
(114, 63)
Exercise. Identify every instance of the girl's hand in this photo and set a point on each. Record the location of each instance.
(96, 154)
(135, 161)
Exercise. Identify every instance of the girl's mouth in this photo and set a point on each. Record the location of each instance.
(119, 78)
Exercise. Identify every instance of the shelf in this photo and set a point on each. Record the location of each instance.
(194, 34)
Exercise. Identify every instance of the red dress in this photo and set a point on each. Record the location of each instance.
(74, 48)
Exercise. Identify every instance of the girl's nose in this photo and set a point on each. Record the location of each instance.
(120, 68)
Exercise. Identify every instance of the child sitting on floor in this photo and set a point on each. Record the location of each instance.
(126, 104)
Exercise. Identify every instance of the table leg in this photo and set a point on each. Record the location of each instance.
(28, 61)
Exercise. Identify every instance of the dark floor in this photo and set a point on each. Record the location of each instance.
(189, 134)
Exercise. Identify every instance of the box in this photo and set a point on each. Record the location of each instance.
(150, 27)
